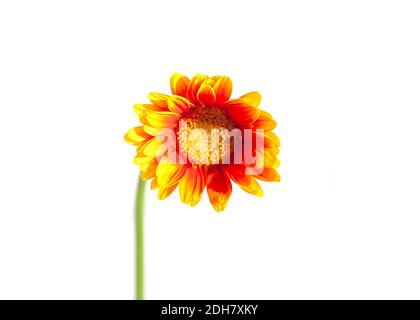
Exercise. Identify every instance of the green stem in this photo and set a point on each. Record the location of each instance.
(140, 240)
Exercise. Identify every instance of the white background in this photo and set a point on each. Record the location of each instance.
(341, 77)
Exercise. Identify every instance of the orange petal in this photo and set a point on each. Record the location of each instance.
(270, 158)
(265, 159)
(265, 121)
(206, 95)
(143, 117)
(192, 185)
(148, 128)
(136, 136)
(241, 113)
(163, 193)
(269, 174)
(140, 156)
(147, 166)
(252, 98)
(154, 148)
(179, 84)
(140, 159)
(245, 182)
(150, 172)
(219, 187)
(168, 173)
(179, 104)
(140, 149)
(140, 109)
(210, 82)
(159, 99)
(151, 130)
(194, 86)
(154, 184)
(223, 89)
(162, 120)
(271, 140)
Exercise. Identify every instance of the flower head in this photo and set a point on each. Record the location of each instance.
(198, 138)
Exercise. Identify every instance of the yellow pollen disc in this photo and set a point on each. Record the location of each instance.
(204, 135)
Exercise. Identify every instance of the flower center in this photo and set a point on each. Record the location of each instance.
(204, 135)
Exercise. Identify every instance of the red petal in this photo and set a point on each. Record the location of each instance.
(269, 174)
(206, 95)
(241, 113)
(194, 86)
(246, 182)
(223, 89)
(219, 187)
(192, 185)
(179, 104)
(179, 84)
(252, 98)
(265, 121)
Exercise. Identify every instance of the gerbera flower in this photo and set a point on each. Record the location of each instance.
(202, 117)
